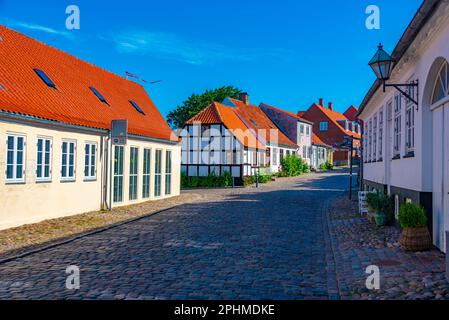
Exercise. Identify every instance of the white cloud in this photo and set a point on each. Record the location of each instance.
(171, 46)
(34, 27)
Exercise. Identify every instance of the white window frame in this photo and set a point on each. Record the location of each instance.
(324, 126)
(90, 162)
(168, 172)
(370, 140)
(13, 180)
(119, 175)
(67, 164)
(43, 178)
(133, 174)
(381, 134)
(158, 173)
(375, 128)
(397, 103)
(301, 129)
(307, 131)
(146, 174)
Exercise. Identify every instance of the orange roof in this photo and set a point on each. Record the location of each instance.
(335, 116)
(217, 113)
(72, 102)
(317, 141)
(208, 115)
(257, 120)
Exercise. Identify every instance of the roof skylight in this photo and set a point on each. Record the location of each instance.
(45, 78)
(98, 94)
(135, 105)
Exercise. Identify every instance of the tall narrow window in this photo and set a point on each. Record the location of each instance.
(118, 174)
(15, 159)
(146, 173)
(397, 125)
(370, 140)
(43, 165)
(90, 161)
(381, 134)
(68, 171)
(375, 138)
(133, 172)
(158, 173)
(410, 128)
(365, 142)
(168, 171)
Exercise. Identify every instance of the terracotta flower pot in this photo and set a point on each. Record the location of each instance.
(416, 239)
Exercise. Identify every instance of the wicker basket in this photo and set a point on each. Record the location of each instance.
(416, 239)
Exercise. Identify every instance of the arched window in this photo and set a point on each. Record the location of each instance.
(441, 88)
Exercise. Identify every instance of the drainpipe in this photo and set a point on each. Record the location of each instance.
(110, 171)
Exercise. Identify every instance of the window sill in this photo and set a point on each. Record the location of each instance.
(410, 154)
(15, 182)
(90, 180)
(396, 157)
(68, 181)
(380, 160)
(43, 181)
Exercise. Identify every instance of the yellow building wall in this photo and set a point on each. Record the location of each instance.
(33, 201)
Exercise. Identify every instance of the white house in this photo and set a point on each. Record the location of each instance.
(406, 146)
(310, 148)
(235, 137)
(57, 157)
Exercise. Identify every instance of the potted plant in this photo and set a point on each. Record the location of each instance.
(415, 235)
(385, 210)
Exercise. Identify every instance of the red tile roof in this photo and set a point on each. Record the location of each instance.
(351, 113)
(217, 113)
(257, 120)
(72, 102)
(335, 117)
(317, 141)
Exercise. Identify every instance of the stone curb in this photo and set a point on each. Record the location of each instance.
(82, 235)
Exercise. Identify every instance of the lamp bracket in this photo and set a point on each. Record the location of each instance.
(404, 93)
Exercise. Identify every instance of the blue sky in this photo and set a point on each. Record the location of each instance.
(287, 53)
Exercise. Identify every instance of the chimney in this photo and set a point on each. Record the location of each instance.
(331, 106)
(244, 97)
(321, 103)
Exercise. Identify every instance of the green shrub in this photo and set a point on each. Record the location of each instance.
(386, 205)
(184, 180)
(211, 181)
(329, 166)
(291, 166)
(373, 202)
(305, 168)
(323, 167)
(412, 216)
(226, 179)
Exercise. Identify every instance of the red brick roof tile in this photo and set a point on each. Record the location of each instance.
(72, 102)
(257, 120)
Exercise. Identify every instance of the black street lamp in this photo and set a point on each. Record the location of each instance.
(382, 65)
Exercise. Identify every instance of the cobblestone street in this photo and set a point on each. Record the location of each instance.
(292, 239)
(267, 243)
